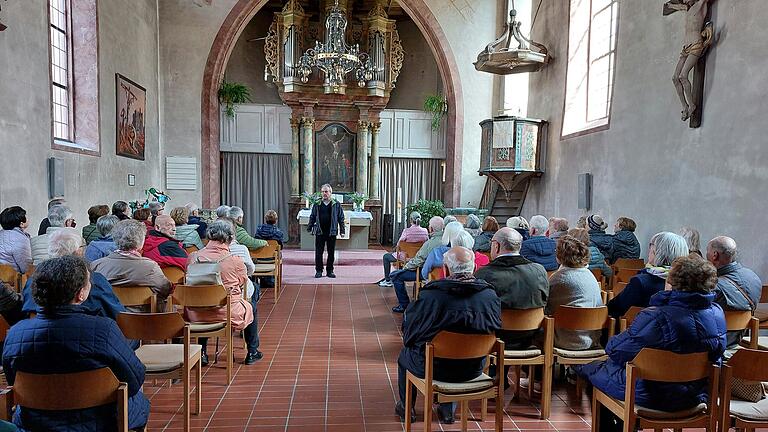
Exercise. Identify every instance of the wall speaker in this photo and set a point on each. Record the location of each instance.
(55, 178)
(585, 191)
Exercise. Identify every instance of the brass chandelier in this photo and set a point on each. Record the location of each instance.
(334, 57)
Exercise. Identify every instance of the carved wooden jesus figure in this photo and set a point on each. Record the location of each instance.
(697, 38)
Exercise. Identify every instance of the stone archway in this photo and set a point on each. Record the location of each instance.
(224, 43)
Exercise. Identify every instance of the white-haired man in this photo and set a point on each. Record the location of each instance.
(326, 221)
(538, 247)
(738, 288)
(408, 272)
(59, 216)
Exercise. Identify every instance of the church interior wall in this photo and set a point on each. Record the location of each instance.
(649, 165)
(127, 45)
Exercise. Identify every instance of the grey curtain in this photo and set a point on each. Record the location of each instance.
(257, 182)
(418, 179)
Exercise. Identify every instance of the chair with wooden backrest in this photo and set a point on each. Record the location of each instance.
(174, 274)
(267, 264)
(621, 278)
(449, 345)
(136, 295)
(598, 274)
(606, 296)
(166, 361)
(584, 319)
(749, 366)
(26, 276)
(206, 296)
(279, 261)
(628, 263)
(525, 320)
(762, 308)
(550, 273)
(409, 249)
(9, 275)
(626, 320)
(191, 248)
(436, 274)
(83, 390)
(4, 327)
(651, 364)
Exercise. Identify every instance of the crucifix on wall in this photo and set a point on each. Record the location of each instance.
(699, 34)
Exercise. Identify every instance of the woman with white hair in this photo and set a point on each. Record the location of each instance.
(521, 225)
(413, 234)
(472, 226)
(664, 247)
(101, 301)
(454, 235)
(691, 236)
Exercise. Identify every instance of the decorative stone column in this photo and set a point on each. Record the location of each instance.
(295, 124)
(373, 185)
(308, 129)
(362, 157)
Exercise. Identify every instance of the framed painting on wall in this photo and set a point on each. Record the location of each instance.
(131, 102)
(335, 158)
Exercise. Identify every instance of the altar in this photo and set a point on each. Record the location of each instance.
(357, 230)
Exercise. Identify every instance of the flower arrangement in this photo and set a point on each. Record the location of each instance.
(311, 199)
(152, 195)
(358, 199)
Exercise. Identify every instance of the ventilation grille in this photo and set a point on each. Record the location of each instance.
(180, 173)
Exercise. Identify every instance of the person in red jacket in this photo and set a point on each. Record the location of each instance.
(161, 247)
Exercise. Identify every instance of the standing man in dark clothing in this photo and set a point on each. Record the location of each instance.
(325, 223)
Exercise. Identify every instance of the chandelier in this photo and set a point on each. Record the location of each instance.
(334, 57)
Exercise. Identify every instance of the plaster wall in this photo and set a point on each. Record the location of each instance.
(649, 165)
(128, 45)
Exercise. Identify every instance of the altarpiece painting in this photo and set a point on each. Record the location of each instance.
(335, 158)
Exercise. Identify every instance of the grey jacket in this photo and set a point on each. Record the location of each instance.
(188, 236)
(574, 287)
(124, 269)
(16, 249)
(733, 282)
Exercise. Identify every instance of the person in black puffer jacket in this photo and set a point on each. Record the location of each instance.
(597, 235)
(625, 244)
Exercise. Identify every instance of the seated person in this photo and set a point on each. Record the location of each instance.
(269, 230)
(68, 339)
(143, 215)
(472, 225)
(691, 236)
(222, 211)
(413, 234)
(625, 244)
(573, 285)
(597, 235)
(239, 250)
(245, 239)
(122, 210)
(519, 224)
(161, 246)
(59, 217)
(90, 231)
(457, 238)
(683, 319)
(186, 232)
(459, 303)
(10, 304)
(102, 301)
(156, 209)
(45, 223)
(558, 227)
(483, 240)
(408, 272)
(538, 247)
(596, 258)
(233, 275)
(15, 246)
(738, 288)
(195, 219)
(126, 266)
(664, 248)
(104, 245)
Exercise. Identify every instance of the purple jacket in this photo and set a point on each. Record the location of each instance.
(15, 249)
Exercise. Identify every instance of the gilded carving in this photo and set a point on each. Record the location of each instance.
(308, 122)
(362, 125)
(271, 52)
(398, 55)
(293, 6)
(378, 11)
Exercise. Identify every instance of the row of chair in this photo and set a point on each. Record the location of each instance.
(14, 279)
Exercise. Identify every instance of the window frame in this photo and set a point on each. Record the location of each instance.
(602, 126)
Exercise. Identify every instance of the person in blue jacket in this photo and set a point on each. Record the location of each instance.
(538, 247)
(64, 338)
(683, 319)
(663, 249)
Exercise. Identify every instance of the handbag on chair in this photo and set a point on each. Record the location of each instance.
(205, 272)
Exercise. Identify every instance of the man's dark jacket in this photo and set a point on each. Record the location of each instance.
(520, 284)
(337, 220)
(201, 225)
(541, 250)
(603, 241)
(624, 245)
(459, 306)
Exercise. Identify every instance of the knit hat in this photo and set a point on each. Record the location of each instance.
(518, 222)
(596, 223)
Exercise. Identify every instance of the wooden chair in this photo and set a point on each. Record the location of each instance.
(598, 274)
(747, 365)
(622, 276)
(584, 319)
(523, 320)
(136, 296)
(9, 275)
(204, 296)
(626, 320)
(436, 274)
(191, 248)
(4, 327)
(606, 296)
(449, 345)
(651, 364)
(550, 273)
(166, 361)
(87, 389)
(174, 274)
(762, 308)
(743, 320)
(267, 264)
(279, 261)
(628, 263)
(409, 249)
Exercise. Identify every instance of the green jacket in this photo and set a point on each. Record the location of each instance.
(188, 236)
(90, 233)
(435, 240)
(246, 240)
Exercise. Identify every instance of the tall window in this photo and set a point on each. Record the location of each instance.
(61, 69)
(591, 63)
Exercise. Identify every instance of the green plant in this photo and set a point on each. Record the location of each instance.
(438, 106)
(428, 209)
(231, 93)
(358, 198)
(313, 198)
